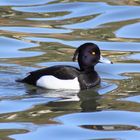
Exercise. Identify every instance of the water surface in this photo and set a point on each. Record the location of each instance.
(36, 34)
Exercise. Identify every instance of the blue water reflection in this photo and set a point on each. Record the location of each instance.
(10, 48)
(34, 30)
(37, 34)
(22, 3)
(129, 31)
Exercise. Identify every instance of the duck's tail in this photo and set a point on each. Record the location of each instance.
(19, 80)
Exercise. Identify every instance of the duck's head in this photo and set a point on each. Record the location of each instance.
(88, 56)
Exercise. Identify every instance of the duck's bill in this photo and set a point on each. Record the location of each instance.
(105, 60)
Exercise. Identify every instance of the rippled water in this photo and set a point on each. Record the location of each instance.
(36, 34)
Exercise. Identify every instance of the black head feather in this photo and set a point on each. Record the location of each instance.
(88, 55)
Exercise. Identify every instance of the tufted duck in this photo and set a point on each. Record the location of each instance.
(69, 77)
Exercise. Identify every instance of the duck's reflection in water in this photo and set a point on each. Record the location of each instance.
(88, 100)
(89, 103)
(81, 101)
(70, 102)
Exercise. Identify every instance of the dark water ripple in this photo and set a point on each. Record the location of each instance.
(107, 13)
(36, 34)
(105, 46)
(96, 126)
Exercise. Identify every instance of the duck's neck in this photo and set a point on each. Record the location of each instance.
(87, 69)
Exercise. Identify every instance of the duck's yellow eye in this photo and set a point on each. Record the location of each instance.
(93, 53)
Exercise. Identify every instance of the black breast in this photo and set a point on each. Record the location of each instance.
(88, 79)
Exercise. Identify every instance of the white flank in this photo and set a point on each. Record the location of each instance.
(51, 82)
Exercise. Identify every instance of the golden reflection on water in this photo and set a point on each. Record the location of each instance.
(89, 101)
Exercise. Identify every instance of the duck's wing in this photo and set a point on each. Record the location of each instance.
(60, 72)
